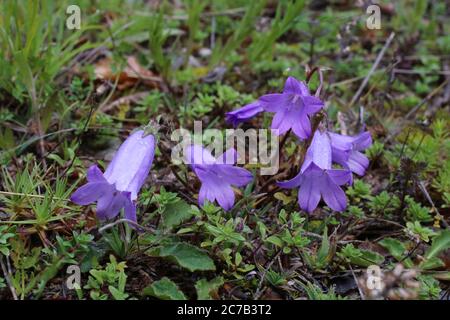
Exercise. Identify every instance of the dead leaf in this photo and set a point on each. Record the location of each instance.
(128, 77)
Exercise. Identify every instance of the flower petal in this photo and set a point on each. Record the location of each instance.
(212, 190)
(358, 163)
(243, 114)
(217, 178)
(103, 206)
(312, 104)
(129, 209)
(292, 183)
(205, 174)
(362, 141)
(94, 174)
(293, 86)
(309, 193)
(90, 192)
(196, 154)
(333, 195)
(319, 152)
(302, 127)
(281, 122)
(225, 198)
(131, 163)
(274, 102)
(278, 119)
(340, 177)
(109, 205)
(234, 175)
(340, 156)
(340, 141)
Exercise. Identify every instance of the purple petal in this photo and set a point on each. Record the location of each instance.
(205, 173)
(217, 176)
(293, 86)
(333, 195)
(359, 142)
(196, 154)
(340, 156)
(309, 193)
(281, 122)
(358, 163)
(236, 176)
(274, 102)
(94, 174)
(109, 205)
(212, 190)
(278, 119)
(312, 104)
(362, 141)
(243, 114)
(340, 141)
(340, 177)
(302, 127)
(319, 152)
(131, 163)
(129, 209)
(292, 183)
(90, 192)
(225, 198)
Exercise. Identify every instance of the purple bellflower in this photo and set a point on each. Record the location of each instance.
(292, 108)
(317, 179)
(119, 186)
(346, 151)
(243, 114)
(217, 175)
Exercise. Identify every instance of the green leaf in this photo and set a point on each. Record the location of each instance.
(287, 250)
(440, 243)
(432, 263)
(164, 289)
(25, 74)
(324, 250)
(7, 139)
(368, 258)
(275, 240)
(207, 289)
(361, 257)
(56, 158)
(117, 294)
(238, 259)
(396, 248)
(284, 198)
(186, 255)
(176, 213)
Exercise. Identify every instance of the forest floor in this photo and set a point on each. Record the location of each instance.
(69, 98)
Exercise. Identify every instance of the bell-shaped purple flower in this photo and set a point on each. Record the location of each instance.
(119, 186)
(217, 175)
(317, 179)
(244, 114)
(346, 151)
(292, 108)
